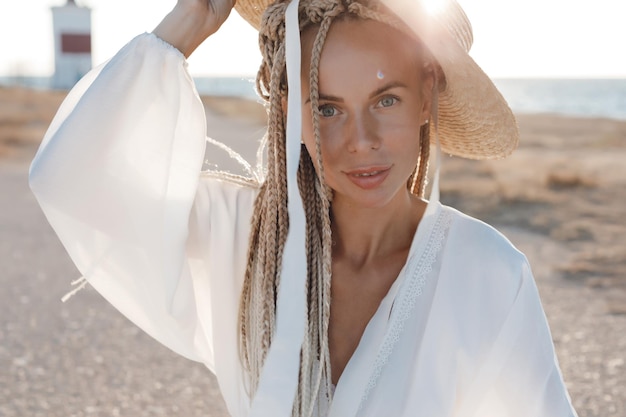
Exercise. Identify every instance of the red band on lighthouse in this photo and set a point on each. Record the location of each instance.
(75, 43)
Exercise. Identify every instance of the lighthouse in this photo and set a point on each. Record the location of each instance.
(71, 24)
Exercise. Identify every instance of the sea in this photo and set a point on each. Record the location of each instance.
(591, 98)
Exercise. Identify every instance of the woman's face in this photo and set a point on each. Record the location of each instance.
(374, 98)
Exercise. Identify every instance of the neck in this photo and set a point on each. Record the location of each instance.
(362, 234)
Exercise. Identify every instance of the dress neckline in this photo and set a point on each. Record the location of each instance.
(382, 332)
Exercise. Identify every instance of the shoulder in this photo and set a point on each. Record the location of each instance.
(225, 179)
(225, 188)
(481, 270)
(476, 255)
(224, 199)
(476, 239)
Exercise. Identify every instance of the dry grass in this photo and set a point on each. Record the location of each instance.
(24, 116)
(565, 178)
(236, 107)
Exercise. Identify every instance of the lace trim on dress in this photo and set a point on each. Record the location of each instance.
(411, 291)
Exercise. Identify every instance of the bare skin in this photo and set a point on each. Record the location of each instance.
(191, 22)
(362, 276)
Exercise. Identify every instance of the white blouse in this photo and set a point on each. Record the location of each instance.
(460, 333)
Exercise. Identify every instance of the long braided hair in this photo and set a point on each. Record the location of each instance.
(270, 220)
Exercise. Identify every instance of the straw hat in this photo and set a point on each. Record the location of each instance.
(474, 119)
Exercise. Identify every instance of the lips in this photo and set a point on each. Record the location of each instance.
(369, 177)
(367, 174)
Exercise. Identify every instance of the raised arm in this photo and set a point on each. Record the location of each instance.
(191, 22)
(117, 175)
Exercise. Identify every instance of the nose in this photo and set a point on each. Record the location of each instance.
(362, 133)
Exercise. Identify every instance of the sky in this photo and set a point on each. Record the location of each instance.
(512, 39)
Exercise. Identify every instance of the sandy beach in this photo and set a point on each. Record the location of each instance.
(560, 198)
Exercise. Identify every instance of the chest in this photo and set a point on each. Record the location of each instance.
(356, 294)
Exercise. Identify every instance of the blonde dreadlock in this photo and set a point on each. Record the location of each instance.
(270, 220)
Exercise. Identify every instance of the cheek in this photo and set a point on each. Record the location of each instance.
(326, 138)
(403, 128)
(308, 137)
(330, 146)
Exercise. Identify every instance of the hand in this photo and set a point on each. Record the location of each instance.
(212, 13)
(192, 21)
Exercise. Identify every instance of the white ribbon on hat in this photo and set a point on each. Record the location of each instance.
(279, 378)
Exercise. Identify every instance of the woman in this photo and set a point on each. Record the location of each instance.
(348, 294)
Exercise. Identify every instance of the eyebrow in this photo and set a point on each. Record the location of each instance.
(390, 85)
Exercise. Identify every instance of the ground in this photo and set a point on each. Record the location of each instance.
(560, 198)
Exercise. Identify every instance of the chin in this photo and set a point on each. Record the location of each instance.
(364, 200)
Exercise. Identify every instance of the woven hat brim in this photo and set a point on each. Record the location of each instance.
(252, 10)
(474, 119)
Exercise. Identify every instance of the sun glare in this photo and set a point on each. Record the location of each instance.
(434, 7)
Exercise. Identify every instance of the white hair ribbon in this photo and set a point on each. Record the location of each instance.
(279, 378)
(434, 116)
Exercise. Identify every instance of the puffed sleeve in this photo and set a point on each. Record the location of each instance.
(116, 176)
